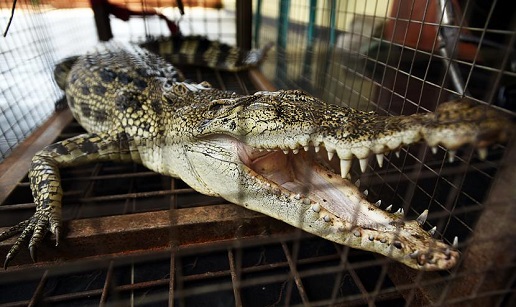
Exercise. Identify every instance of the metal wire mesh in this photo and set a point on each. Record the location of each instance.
(191, 250)
(28, 54)
(401, 57)
(41, 35)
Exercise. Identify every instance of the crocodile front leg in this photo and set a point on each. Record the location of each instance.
(45, 182)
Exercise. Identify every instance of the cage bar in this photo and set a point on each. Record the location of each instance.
(134, 237)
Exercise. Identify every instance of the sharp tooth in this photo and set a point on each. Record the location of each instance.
(388, 209)
(397, 154)
(345, 166)
(357, 183)
(285, 151)
(422, 218)
(330, 155)
(297, 196)
(366, 192)
(378, 203)
(379, 159)
(317, 148)
(414, 254)
(357, 233)
(326, 218)
(306, 201)
(451, 156)
(434, 150)
(316, 207)
(482, 153)
(432, 231)
(399, 212)
(295, 151)
(371, 238)
(306, 148)
(363, 165)
(455, 242)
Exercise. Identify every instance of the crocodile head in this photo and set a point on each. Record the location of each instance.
(288, 155)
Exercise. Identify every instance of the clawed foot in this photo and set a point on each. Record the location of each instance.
(34, 229)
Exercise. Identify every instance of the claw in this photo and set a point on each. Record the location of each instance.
(6, 262)
(57, 234)
(33, 255)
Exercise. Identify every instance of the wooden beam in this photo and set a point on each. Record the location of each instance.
(150, 230)
(16, 165)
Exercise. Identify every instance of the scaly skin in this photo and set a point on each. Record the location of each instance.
(272, 152)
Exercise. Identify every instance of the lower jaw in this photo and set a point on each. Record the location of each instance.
(323, 203)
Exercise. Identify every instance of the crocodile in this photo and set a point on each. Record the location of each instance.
(283, 153)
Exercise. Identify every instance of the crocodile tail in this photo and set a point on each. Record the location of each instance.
(62, 70)
(200, 51)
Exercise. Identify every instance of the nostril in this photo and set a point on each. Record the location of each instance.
(421, 261)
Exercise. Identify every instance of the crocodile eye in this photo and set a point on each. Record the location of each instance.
(216, 107)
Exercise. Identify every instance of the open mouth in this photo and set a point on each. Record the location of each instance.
(314, 178)
(313, 174)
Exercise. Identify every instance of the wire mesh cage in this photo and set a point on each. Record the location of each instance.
(134, 237)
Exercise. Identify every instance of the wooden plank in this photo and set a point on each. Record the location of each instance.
(17, 164)
(150, 230)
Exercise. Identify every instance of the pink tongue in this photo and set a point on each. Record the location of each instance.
(274, 166)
